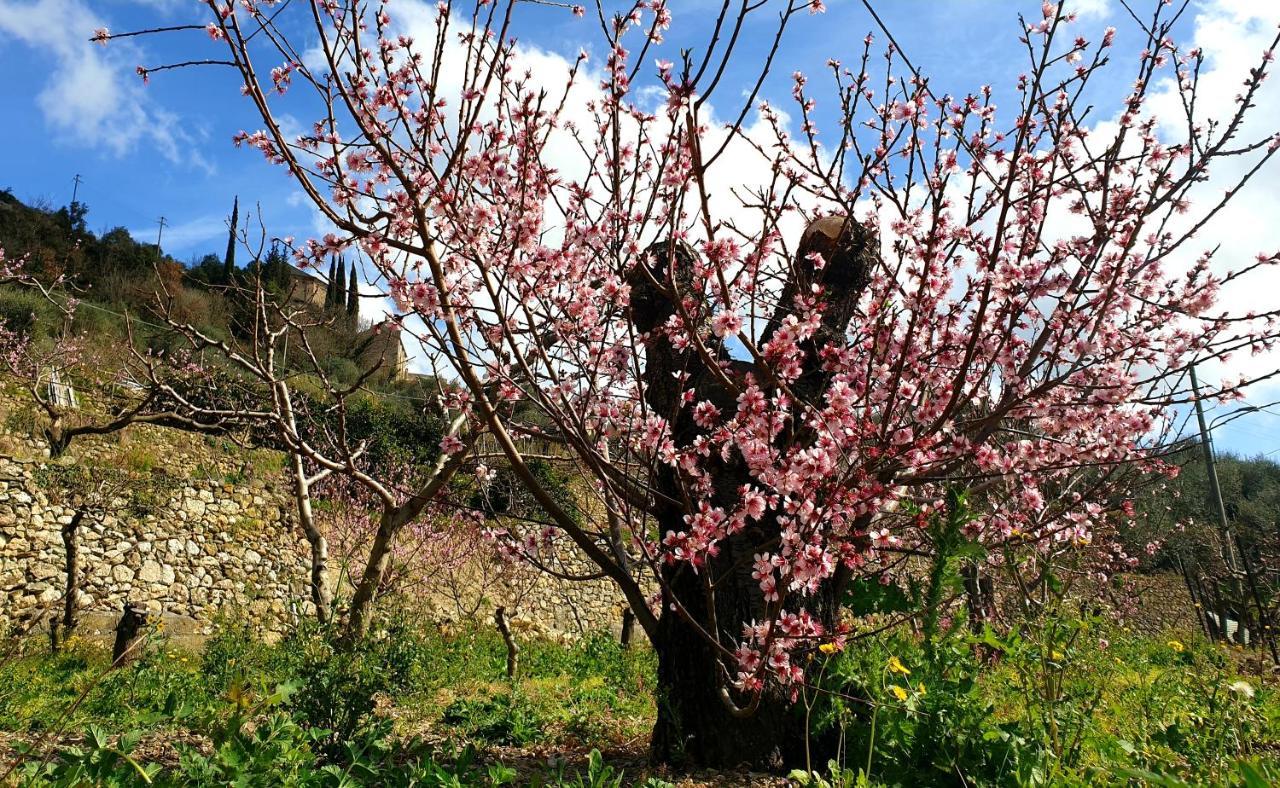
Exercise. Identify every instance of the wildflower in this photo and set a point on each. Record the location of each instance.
(1241, 687)
(896, 666)
(1177, 646)
(898, 692)
(920, 689)
(828, 648)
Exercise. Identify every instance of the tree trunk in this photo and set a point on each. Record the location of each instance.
(374, 571)
(321, 594)
(57, 438)
(695, 727)
(700, 722)
(513, 648)
(61, 631)
(979, 590)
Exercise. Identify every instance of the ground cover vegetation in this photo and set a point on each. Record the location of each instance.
(1072, 701)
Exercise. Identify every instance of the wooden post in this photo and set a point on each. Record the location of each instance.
(1264, 618)
(1196, 604)
(129, 631)
(628, 627)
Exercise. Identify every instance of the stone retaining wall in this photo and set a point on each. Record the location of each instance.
(204, 547)
(217, 536)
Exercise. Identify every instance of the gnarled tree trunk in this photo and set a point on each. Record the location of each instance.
(61, 631)
(702, 720)
(695, 726)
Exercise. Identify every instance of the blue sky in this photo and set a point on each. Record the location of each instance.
(71, 107)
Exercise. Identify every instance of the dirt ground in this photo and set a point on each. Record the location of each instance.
(529, 762)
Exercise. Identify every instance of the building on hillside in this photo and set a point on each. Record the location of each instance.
(381, 343)
(303, 288)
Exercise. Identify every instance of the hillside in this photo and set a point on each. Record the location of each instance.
(112, 275)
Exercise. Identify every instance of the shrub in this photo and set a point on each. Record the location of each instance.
(339, 683)
(25, 311)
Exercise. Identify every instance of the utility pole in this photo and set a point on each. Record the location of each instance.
(72, 209)
(1211, 469)
(163, 223)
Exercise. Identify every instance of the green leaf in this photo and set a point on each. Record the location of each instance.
(1253, 778)
(867, 595)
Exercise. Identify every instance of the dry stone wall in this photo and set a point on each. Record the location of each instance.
(204, 547)
(217, 537)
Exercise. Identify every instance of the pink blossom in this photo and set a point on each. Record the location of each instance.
(727, 323)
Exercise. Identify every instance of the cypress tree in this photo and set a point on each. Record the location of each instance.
(340, 284)
(229, 262)
(353, 296)
(333, 273)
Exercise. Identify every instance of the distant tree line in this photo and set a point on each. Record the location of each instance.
(115, 274)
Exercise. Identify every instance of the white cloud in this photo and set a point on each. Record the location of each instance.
(1233, 35)
(1090, 9)
(92, 97)
(184, 236)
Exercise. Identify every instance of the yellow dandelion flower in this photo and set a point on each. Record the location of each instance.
(896, 666)
(920, 689)
(898, 692)
(828, 648)
(1177, 646)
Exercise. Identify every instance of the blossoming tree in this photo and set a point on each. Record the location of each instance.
(774, 353)
(248, 382)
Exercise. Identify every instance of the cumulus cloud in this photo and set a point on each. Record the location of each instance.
(1233, 35)
(91, 96)
(1090, 9)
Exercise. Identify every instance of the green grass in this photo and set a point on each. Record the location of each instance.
(1122, 709)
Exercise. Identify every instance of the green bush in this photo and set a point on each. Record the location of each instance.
(257, 744)
(25, 311)
(339, 683)
(1062, 701)
(912, 718)
(342, 371)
